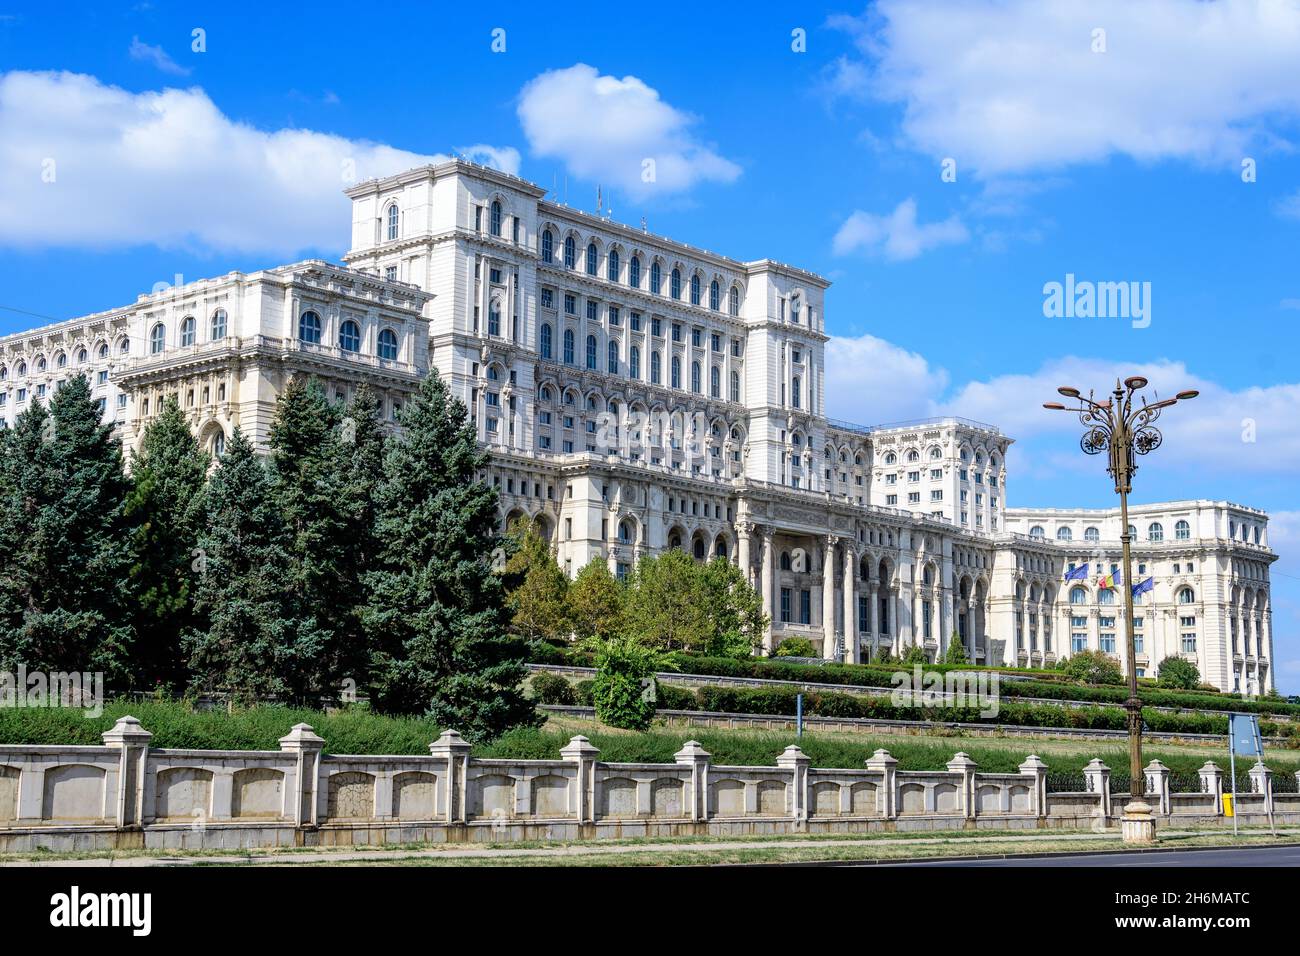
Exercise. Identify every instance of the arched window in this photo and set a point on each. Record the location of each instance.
(388, 345)
(393, 219)
(591, 258)
(103, 350)
(634, 362)
(656, 374)
(570, 253)
(785, 560)
(1091, 534)
(1078, 596)
(494, 221)
(82, 355)
(546, 340)
(350, 336)
(1106, 596)
(1064, 534)
(124, 346)
(733, 301)
(715, 382)
(891, 459)
(1132, 532)
(157, 339)
(568, 346)
(1037, 532)
(1182, 531)
(309, 327)
(187, 330)
(634, 272)
(613, 357)
(735, 386)
(695, 377)
(1155, 531)
(913, 455)
(611, 266)
(675, 284)
(795, 389)
(676, 380)
(626, 532)
(219, 444)
(695, 290)
(548, 246)
(656, 278)
(591, 351)
(218, 325)
(1186, 596)
(935, 453)
(715, 297)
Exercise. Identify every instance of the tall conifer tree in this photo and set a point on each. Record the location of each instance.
(437, 607)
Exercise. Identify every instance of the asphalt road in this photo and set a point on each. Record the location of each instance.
(1227, 856)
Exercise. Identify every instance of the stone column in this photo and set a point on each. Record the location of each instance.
(882, 762)
(769, 589)
(1034, 767)
(873, 615)
(743, 531)
(133, 742)
(1157, 775)
(695, 757)
(796, 761)
(579, 751)
(1212, 784)
(455, 751)
(1261, 781)
(306, 745)
(961, 763)
(828, 599)
(852, 652)
(1097, 777)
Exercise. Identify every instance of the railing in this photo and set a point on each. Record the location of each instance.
(913, 423)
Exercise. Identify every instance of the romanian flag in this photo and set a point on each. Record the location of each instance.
(1108, 582)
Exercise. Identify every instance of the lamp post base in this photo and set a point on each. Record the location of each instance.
(1138, 824)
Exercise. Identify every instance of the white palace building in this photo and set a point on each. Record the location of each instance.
(638, 394)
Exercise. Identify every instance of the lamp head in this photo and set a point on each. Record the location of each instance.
(1135, 382)
(1054, 406)
(1068, 392)
(1184, 396)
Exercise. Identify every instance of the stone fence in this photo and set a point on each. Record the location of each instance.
(128, 794)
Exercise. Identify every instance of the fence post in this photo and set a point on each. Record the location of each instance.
(579, 750)
(697, 758)
(1097, 776)
(453, 748)
(796, 761)
(306, 745)
(1157, 775)
(1261, 781)
(1212, 783)
(962, 763)
(133, 741)
(886, 764)
(1035, 768)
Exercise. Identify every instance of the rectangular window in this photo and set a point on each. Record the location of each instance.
(785, 605)
(677, 331)
(548, 299)
(634, 319)
(805, 606)
(715, 342)
(570, 304)
(591, 310)
(656, 327)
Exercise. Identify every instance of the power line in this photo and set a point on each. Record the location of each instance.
(38, 315)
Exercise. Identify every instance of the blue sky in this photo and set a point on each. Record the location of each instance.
(1114, 156)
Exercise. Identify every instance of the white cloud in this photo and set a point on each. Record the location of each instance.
(896, 236)
(169, 168)
(604, 129)
(1014, 85)
(156, 55)
(870, 381)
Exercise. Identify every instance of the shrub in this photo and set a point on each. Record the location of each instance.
(795, 647)
(1178, 673)
(623, 691)
(553, 689)
(1093, 667)
(916, 655)
(956, 651)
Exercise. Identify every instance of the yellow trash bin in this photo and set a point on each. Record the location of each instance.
(1227, 805)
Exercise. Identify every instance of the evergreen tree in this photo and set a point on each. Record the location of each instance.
(252, 646)
(956, 651)
(65, 598)
(667, 603)
(168, 472)
(308, 486)
(596, 602)
(538, 596)
(736, 609)
(437, 609)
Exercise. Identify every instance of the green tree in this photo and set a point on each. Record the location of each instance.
(1093, 667)
(1178, 673)
(538, 597)
(956, 653)
(915, 654)
(165, 506)
(667, 603)
(736, 609)
(795, 647)
(623, 690)
(66, 600)
(252, 645)
(437, 612)
(596, 602)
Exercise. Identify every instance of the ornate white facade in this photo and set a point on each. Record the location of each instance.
(639, 394)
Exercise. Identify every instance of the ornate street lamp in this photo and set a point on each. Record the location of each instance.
(1125, 429)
